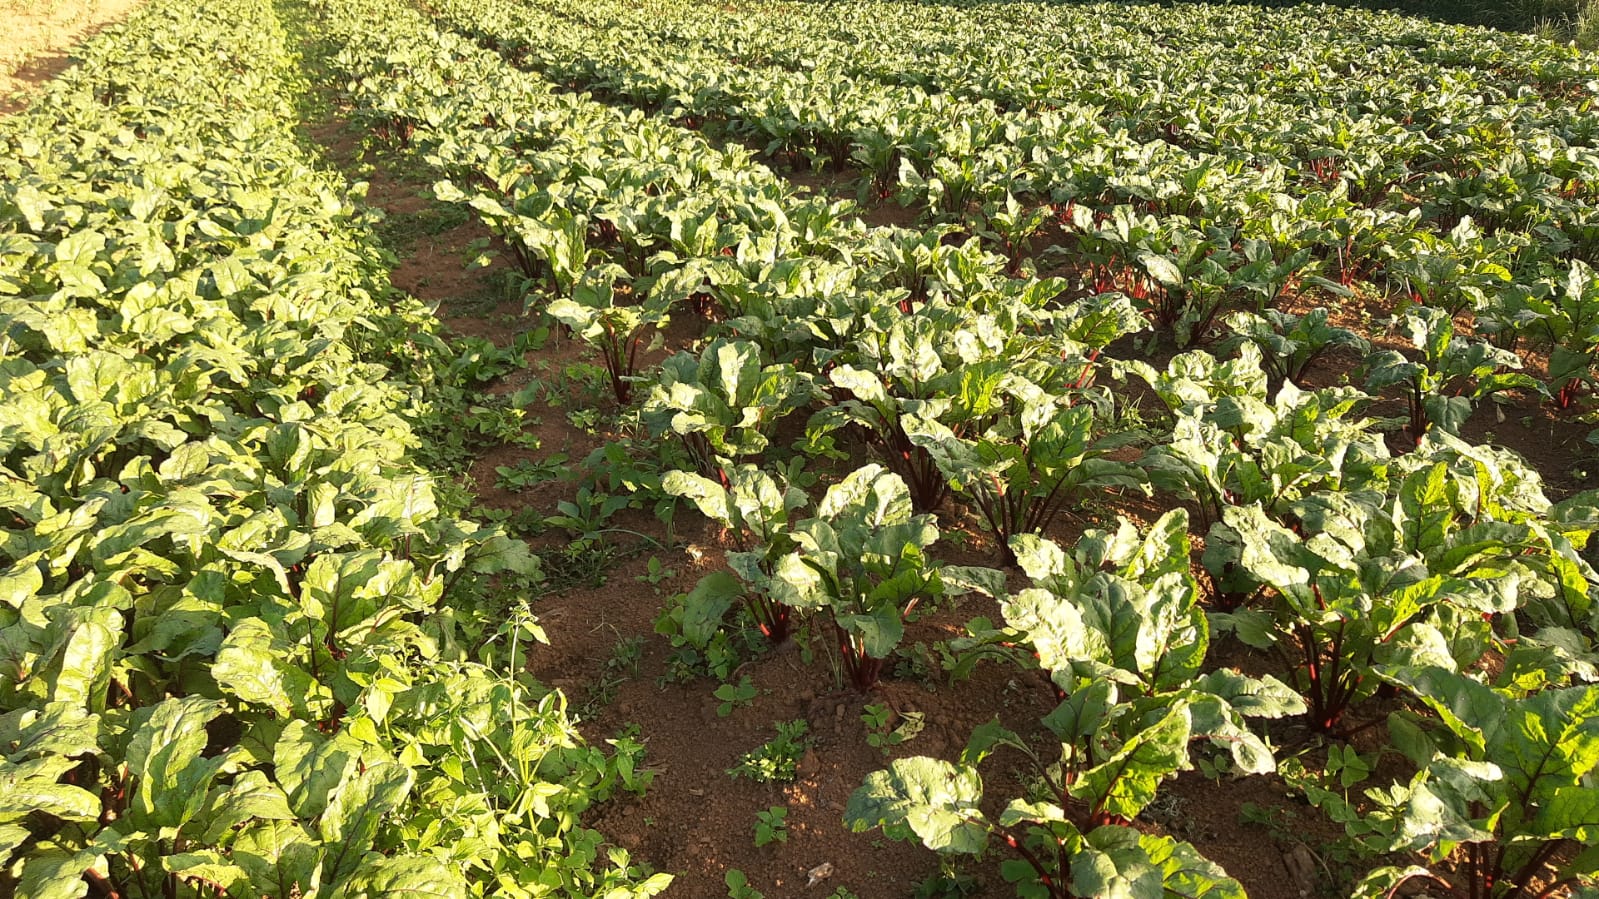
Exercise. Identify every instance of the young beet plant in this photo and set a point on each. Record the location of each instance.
(724, 404)
(1362, 581)
(1504, 796)
(1116, 625)
(1446, 361)
(861, 562)
(1565, 317)
(1233, 443)
(755, 509)
(1011, 225)
(942, 363)
(602, 316)
(1041, 453)
(1289, 343)
(549, 242)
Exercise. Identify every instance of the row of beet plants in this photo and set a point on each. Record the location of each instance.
(966, 383)
(1141, 213)
(1363, 572)
(857, 561)
(901, 319)
(244, 650)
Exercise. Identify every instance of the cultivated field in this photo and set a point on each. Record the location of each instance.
(842, 449)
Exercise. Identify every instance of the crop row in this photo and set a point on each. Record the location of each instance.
(245, 651)
(1195, 219)
(1186, 60)
(1362, 570)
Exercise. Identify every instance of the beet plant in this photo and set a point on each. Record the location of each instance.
(861, 562)
(1116, 626)
(755, 508)
(1039, 452)
(1354, 582)
(1453, 373)
(723, 404)
(1503, 805)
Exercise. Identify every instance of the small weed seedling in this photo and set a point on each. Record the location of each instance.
(948, 883)
(627, 762)
(585, 420)
(735, 695)
(527, 473)
(880, 732)
(586, 516)
(656, 574)
(777, 760)
(771, 826)
(738, 886)
(623, 664)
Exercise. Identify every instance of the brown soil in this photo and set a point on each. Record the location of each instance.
(40, 35)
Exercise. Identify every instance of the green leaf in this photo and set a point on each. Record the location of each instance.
(708, 496)
(931, 799)
(705, 607)
(1113, 863)
(278, 852)
(1469, 709)
(1569, 813)
(985, 738)
(33, 787)
(251, 796)
(251, 666)
(356, 811)
(1186, 873)
(56, 874)
(1263, 697)
(59, 729)
(83, 673)
(1084, 713)
(170, 778)
(1162, 269)
(1125, 782)
(423, 877)
(310, 767)
(878, 632)
(1055, 628)
(206, 867)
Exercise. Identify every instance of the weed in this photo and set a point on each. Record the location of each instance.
(735, 695)
(622, 664)
(585, 420)
(771, 826)
(738, 886)
(778, 759)
(880, 730)
(656, 574)
(528, 473)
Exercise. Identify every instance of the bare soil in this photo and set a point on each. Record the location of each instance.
(40, 35)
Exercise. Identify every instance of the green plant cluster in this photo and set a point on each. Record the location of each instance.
(1223, 167)
(243, 645)
(1331, 161)
(778, 759)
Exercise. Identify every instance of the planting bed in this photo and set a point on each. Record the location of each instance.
(866, 448)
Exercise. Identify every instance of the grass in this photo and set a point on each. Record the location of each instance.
(401, 230)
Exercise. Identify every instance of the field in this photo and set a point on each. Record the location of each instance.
(843, 449)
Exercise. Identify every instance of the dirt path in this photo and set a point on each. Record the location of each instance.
(40, 35)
